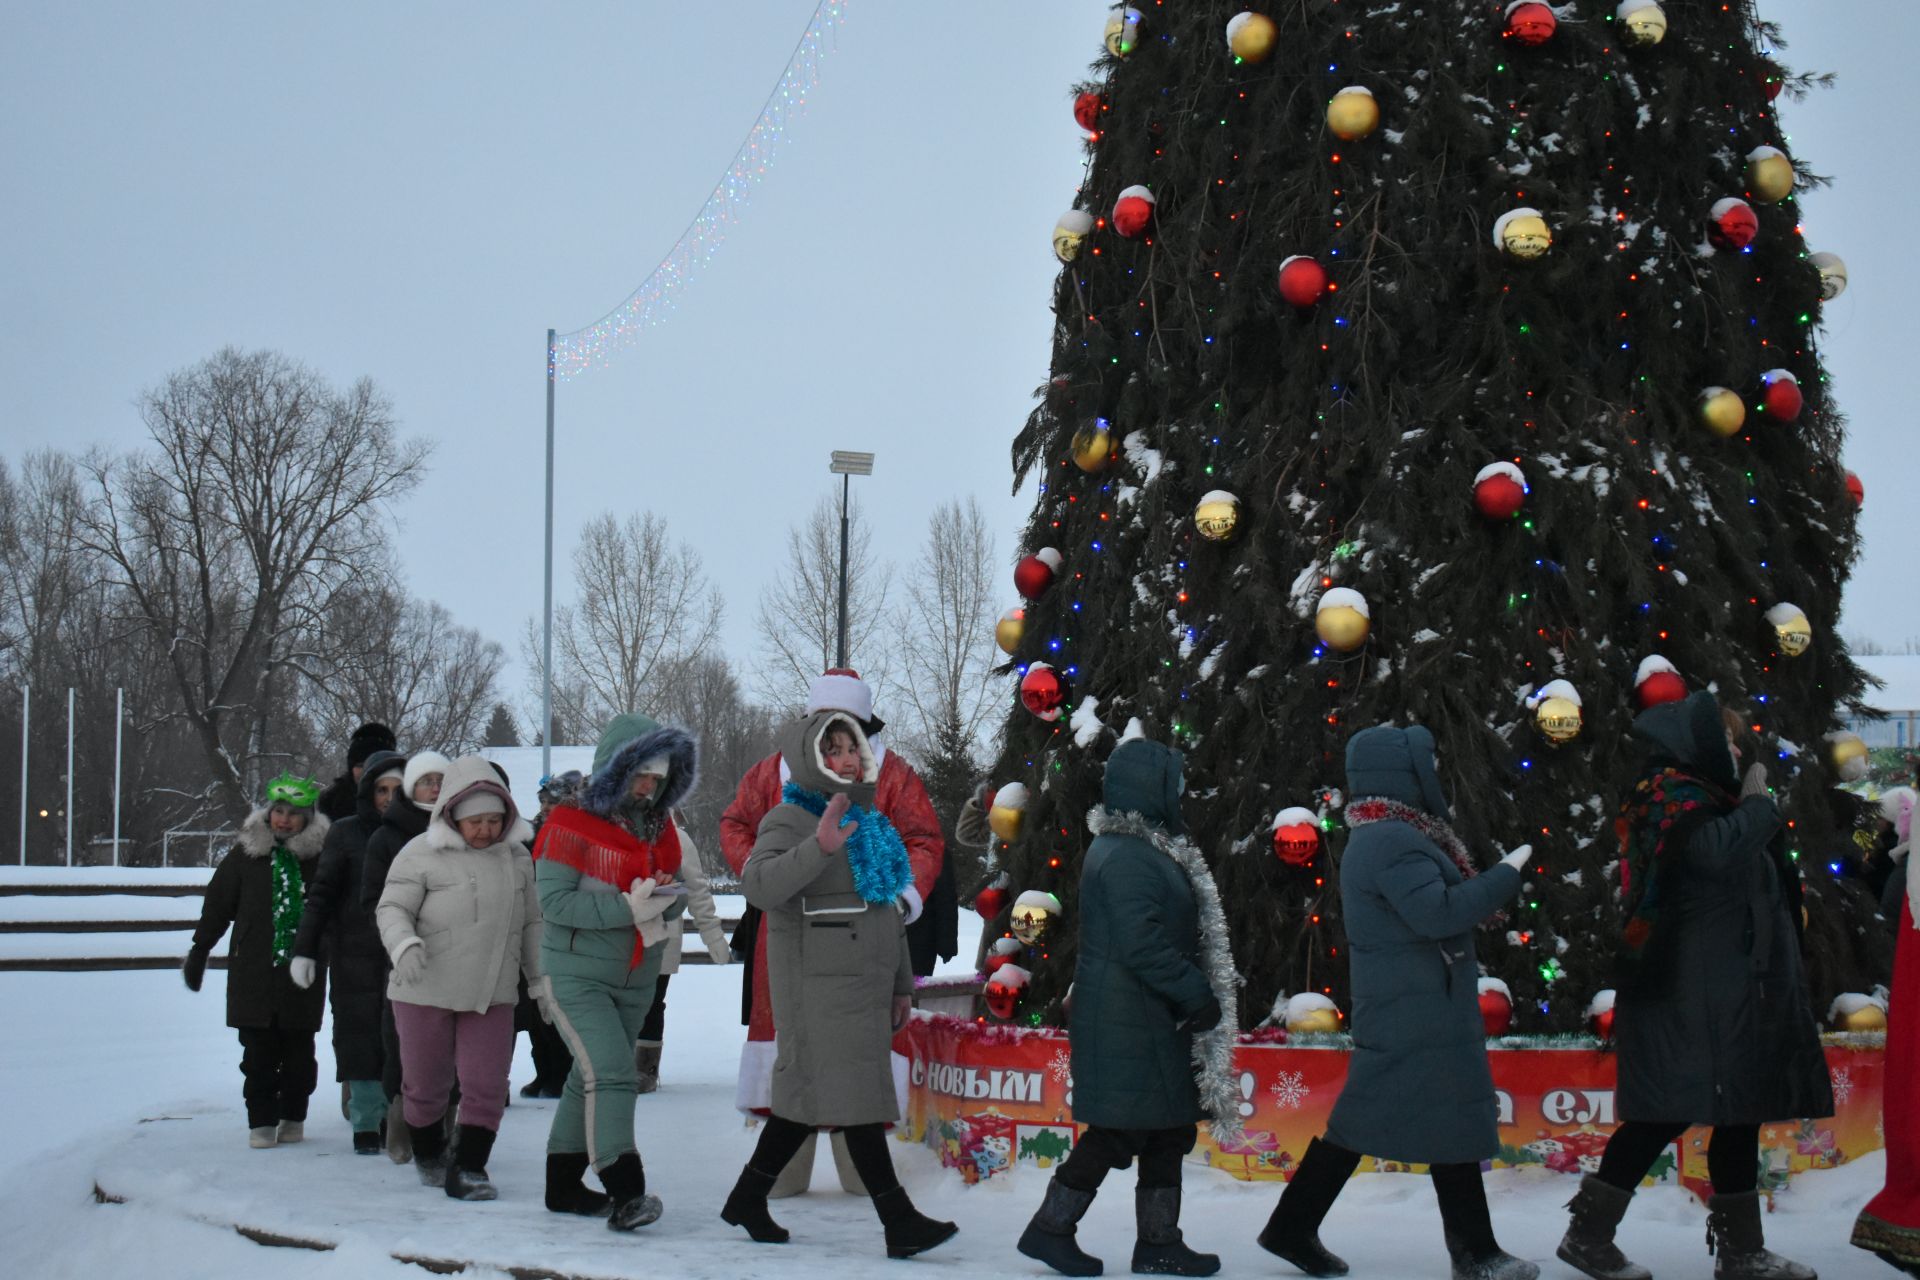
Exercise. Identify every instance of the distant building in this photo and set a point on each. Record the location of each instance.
(1899, 698)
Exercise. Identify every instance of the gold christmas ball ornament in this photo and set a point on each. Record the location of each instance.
(1353, 114)
(1123, 31)
(1008, 812)
(1342, 619)
(1034, 915)
(1769, 174)
(1093, 447)
(1722, 411)
(1217, 516)
(1557, 712)
(1074, 226)
(1251, 37)
(1309, 1014)
(1644, 22)
(1522, 233)
(1008, 631)
(1858, 1013)
(1848, 753)
(1833, 274)
(1792, 632)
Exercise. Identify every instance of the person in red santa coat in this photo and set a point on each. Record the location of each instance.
(903, 798)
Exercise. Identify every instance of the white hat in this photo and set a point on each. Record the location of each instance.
(419, 765)
(841, 689)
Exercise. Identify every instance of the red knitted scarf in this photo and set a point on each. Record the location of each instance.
(598, 848)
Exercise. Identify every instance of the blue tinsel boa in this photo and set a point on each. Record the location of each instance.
(875, 851)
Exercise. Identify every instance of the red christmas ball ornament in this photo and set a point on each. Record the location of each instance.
(1499, 491)
(1004, 989)
(1002, 954)
(1772, 79)
(1856, 490)
(1043, 692)
(1034, 575)
(1657, 681)
(1600, 1015)
(1782, 400)
(1302, 280)
(1732, 224)
(1133, 212)
(1530, 22)
(1296, 837)
(1496, 1006)
(1086, 111)
(991, 902)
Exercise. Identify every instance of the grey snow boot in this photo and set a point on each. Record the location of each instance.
(646, 1067)
(1494, 1266)
(430, 1156)
(1588, 1245)
(1160, 1249)
(1735, 1240)
(1049, 1237)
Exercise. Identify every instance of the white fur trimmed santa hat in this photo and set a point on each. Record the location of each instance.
(842, 689)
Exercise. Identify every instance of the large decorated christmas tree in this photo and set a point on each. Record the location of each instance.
(1452, 363)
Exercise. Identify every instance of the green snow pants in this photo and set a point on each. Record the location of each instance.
(600, 1022)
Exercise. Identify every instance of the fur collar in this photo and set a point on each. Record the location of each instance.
(608, 784)
(256, 837)
(1212, 1050)
(1369, 809)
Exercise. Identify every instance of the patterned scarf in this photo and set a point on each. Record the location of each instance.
(289, 898)
(1667, 806)
(595, 847)
(875, 852)
(1380, 809)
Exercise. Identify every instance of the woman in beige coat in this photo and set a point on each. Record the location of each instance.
(829, 870)
(460, 919)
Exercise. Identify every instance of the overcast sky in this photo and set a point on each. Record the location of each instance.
(415, 192)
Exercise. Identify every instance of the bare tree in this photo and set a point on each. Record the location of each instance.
(799, 616)
(264, 488)
(42, 570)
(643, 611)
(942, 683)
(706, 700)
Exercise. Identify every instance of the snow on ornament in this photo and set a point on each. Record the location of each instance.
(1848, 754)
(1732, 223)
(1769, 175)
(1308, 1013)
(1070, 231)
(1781, 399)
(1004, 989)
(1496, 1006)
(1792, 631)
(1833, 274)
(1133, 212)
(1217, 516)
(1296, 836)
(993, 899)
(1123, 31)
(1008, 631)
(1522, 233)
(1353, 113)
(1302, 280)
(1600, 1014)
(1721, 411)
(1530, 23)
(1657, 681)
(1251, 37)
(1092, 447)
(1043, 692)
(1855, 1012)
(1342, 619)
(1644, 21)
(1002, 953)
(1499, 491)
(1034, 576)
(1086, 110)
(1007, 811)
(1856, 489)
(1034, 915)
(1557, 712)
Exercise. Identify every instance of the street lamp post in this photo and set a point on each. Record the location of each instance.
(846, 466)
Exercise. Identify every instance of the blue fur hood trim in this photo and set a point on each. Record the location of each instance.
(875, 852)
(604, 789)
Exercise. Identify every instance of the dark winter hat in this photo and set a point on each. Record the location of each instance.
(1147, 778)
(367, 739)
(1396, 764)
(380, 762)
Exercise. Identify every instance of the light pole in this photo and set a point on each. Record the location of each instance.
(846, 466)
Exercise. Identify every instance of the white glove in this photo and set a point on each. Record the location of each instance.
(541, 989)
(1518, 858)
(910, 904)
(1900, 850)
(411, 964)
(303, 971)
(719, 949)
(642, 903)
(1755, 783)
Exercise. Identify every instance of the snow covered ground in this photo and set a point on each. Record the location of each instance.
(88, 1057)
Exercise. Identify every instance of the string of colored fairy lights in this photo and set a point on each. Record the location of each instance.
(594, 345)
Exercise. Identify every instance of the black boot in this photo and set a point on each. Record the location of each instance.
(566, 1193)
(1160, 1249)
(626, 1180)
(1468, 1225)
(467, 1175)
(1293, 1232)
(1049, 1237)
(908, 1230)
(1588, 1245)
(368, 1142)
(430, 1152)
(1735, 1239)
(747, 1207)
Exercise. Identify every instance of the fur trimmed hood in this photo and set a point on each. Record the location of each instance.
(467, 776)
(1212, 1050)
(256, 837)
(611, 778)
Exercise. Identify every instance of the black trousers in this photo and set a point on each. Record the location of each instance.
(781, 1140)
(1100, 1151)
(390, 1045)
(654, 1028)
(1733, 1159)
(280, 1073)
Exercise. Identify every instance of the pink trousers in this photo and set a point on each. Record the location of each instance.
(436, 1045)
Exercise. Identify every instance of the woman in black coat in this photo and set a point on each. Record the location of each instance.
(1712, 1021)
(338, 927)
